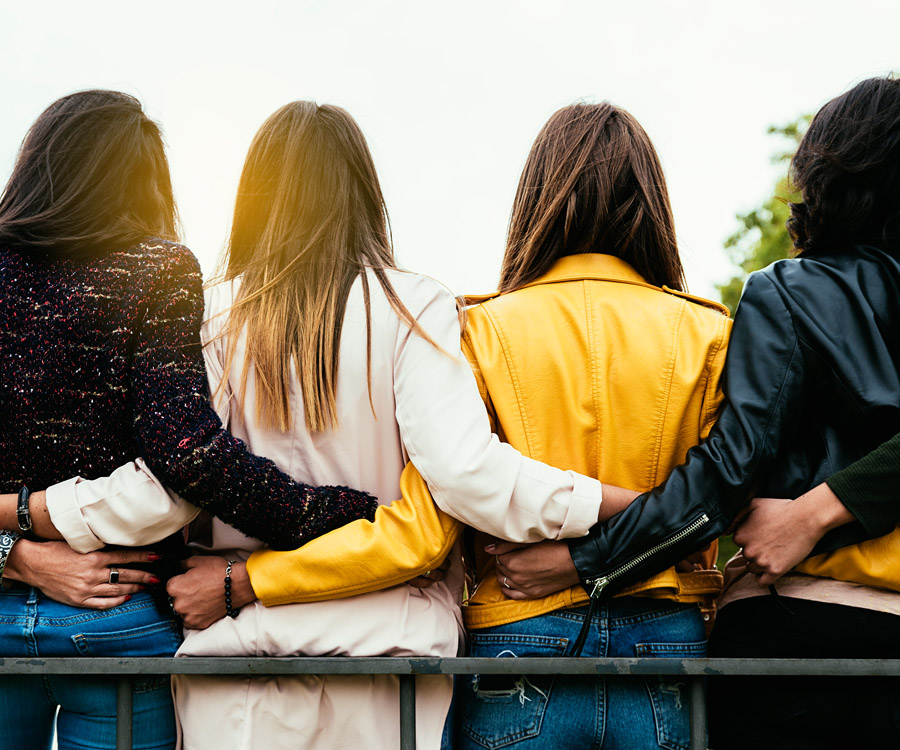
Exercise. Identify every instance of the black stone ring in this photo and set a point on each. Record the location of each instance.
(113, 575)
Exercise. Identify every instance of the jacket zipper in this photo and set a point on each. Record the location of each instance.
(601, 582)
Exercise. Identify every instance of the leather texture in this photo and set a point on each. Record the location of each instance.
(811, 384)
(408, 538)
(590, 368)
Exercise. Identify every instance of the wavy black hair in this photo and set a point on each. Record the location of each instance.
(847, 170)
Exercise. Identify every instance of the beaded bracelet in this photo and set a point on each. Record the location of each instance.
(229, 610)
(7, 540)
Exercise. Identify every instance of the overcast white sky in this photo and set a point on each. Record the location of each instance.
(451, 95)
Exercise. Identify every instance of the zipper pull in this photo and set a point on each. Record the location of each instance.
(599, 585)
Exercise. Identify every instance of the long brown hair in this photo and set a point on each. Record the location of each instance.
(592, 183)
(308, 219)
(91, 177)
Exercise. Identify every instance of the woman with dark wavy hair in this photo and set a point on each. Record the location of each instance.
(812, 383)
(100, 317)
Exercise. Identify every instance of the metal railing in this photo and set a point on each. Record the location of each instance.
(693, 670)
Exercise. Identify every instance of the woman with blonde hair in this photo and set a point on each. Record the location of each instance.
(328, 359)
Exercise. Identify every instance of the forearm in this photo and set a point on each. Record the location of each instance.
(185, 445)
(701, 497)
(472, 475)
(41, 523)
(242, 592)
(615, 500)
(407, 538)
(20, 563)
(217, 473)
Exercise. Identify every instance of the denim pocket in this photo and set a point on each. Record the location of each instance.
(669, 696)
(501, 710)
(157, 639)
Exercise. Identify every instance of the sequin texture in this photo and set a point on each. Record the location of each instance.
(101, 362)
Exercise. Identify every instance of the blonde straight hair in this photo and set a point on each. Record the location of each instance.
(309, 218)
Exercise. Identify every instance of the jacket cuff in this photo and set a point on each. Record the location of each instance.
(586, 555)
(853, 492)
(62, 505)
(584, 507)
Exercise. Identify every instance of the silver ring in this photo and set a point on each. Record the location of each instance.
(506, 582)
(426, 574)
(172, 607)
(113, 575)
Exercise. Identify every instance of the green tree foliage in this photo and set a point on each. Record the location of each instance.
(762, 237)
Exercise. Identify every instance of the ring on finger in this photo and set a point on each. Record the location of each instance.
(113, 575)
(172, 607)
(506, 583)
(426, 574)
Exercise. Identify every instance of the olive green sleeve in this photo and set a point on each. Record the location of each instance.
(870, 488)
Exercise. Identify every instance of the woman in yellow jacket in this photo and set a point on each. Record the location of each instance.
(591, 358)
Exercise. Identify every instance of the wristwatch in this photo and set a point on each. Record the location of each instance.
(23, 513)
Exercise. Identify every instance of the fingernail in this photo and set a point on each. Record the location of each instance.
(154, 579)
(490, 548)
(128, 597)
(153, 557)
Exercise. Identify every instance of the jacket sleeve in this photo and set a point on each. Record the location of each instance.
(407, 538)
(128, 508)
(185, 446)
(868, 488)
(764, 370)
(472, 475)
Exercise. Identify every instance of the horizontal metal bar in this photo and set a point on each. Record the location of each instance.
(385, 665)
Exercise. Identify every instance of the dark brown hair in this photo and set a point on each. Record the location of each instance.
(847, 170)
(592, 184)
(91, 177)
(309, 218)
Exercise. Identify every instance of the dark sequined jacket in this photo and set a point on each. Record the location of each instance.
(100, 362)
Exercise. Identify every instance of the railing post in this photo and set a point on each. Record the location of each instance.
(407, 712)
(698, 714)
(124, 706)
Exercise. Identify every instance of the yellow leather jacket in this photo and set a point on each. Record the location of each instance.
(634, 384)
(592, 369)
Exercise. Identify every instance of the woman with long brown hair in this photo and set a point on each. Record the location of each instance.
(592, 357)
(99, 333)
(811, 385)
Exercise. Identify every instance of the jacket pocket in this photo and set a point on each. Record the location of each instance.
(501, 710)
(670, 697)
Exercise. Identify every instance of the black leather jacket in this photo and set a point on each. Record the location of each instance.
(811, 384)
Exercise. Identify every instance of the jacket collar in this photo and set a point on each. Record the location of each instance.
(591, 266)
(599, 267)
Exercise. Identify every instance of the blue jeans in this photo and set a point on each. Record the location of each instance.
(533, 712)
(32, 625)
